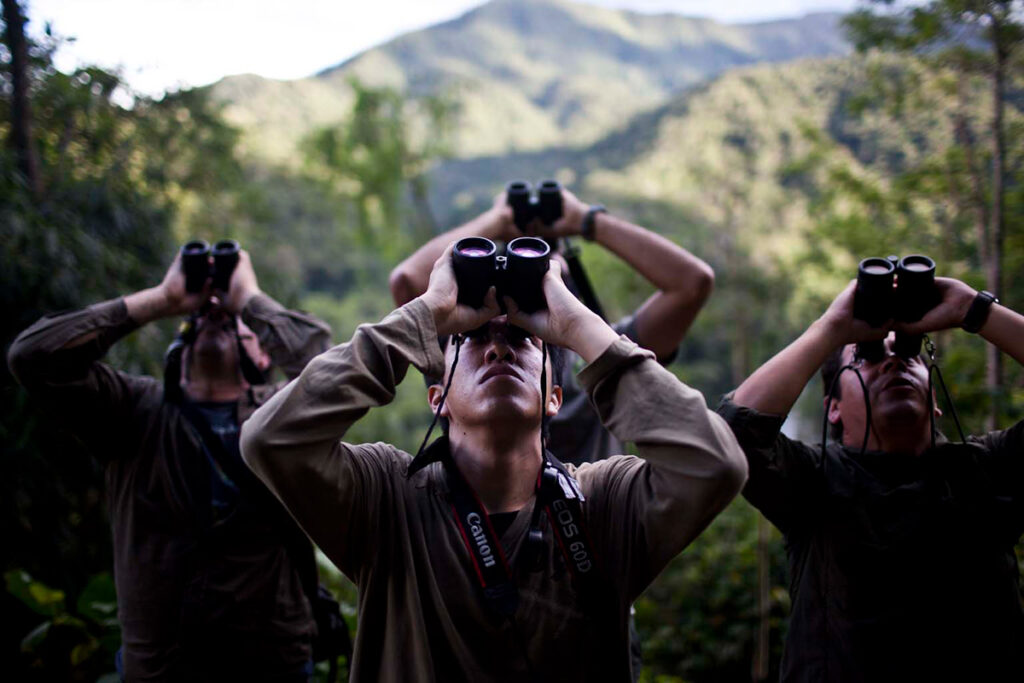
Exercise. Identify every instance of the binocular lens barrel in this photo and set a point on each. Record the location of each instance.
(195, 262)
(915, 287)
(915, 296)
(549, 201)
(873, 298)
(517, 274)
(517, 195)
(528, 260)
(876, 302)
(547, 205)
(473, 261)
(225, 258)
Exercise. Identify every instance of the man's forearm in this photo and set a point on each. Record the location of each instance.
(147, 305)
(660, 261)
(684, 282)
(291, 338)
(775, 386)
(306, 419)
(1005, 329)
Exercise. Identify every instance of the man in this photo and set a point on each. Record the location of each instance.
(683, 281)
(208, 566)
(428, 610)
(901, 557)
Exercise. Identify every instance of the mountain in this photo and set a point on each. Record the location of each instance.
(528, 74)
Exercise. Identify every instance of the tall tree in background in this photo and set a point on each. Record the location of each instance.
(385, 146)
(20, 136)
(975, 39)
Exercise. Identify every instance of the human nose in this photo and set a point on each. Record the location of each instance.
(891, 361)
(499, 350)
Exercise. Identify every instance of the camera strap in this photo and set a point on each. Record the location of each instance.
(558, 496)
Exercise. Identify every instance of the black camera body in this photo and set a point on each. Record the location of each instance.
(876, 301)
(195, 262)
(517, 273)
(545, 205)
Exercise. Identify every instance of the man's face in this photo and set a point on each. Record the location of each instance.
(897, 391)
(215, 349)
(215, 338)
(497, 379)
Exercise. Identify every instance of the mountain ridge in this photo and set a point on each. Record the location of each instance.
(528, 74)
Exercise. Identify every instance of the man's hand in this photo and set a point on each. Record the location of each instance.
(842, 328)
(177, 301)
(442, 298)
(243, 285)
(956, 298)
(571, 222)
(566, 321)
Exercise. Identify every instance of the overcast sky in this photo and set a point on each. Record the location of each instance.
(161, 44)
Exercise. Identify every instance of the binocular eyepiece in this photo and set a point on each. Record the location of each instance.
(517, 273)
(545, 205)
(195, 262)
(875, 301)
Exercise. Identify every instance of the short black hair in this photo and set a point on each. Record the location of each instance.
(557, 356)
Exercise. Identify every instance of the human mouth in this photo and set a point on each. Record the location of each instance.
(899, 382)
(500, 371)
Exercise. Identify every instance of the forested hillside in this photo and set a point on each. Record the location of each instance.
(765, 149)
(528, 74)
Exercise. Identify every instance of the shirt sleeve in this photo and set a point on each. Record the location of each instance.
(642, 511)
(784, 473)
(291, 338)
(293, 442)
(95, 401)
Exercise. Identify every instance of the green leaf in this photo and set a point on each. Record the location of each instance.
(98, 601)
(38, 597)
(35, 637)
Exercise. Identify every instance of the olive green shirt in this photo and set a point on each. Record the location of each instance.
(421, 614)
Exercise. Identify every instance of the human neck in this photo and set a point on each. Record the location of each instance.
(501, 468)
(892, 438)
(214, 387)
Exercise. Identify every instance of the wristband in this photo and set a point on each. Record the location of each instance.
(977, 314)
(587, 228)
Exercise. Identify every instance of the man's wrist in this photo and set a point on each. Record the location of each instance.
(591, 336)
(978, 311)
(588, 226)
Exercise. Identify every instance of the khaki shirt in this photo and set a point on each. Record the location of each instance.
(421, 615)
(194, 597)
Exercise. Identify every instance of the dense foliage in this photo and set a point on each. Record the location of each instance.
(780, 176)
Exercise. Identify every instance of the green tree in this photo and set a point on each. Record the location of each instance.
(972, 39)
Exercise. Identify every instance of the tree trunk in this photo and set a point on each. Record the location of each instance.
(994, 268)
(21, 139)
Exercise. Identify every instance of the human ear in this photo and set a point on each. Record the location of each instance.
(834, 413)
(554, 401)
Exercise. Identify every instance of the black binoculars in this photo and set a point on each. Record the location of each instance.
(546, 204)
(517, 273)
(876, 302)
(195, 262)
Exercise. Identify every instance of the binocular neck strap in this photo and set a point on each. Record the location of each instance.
(173, 358)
